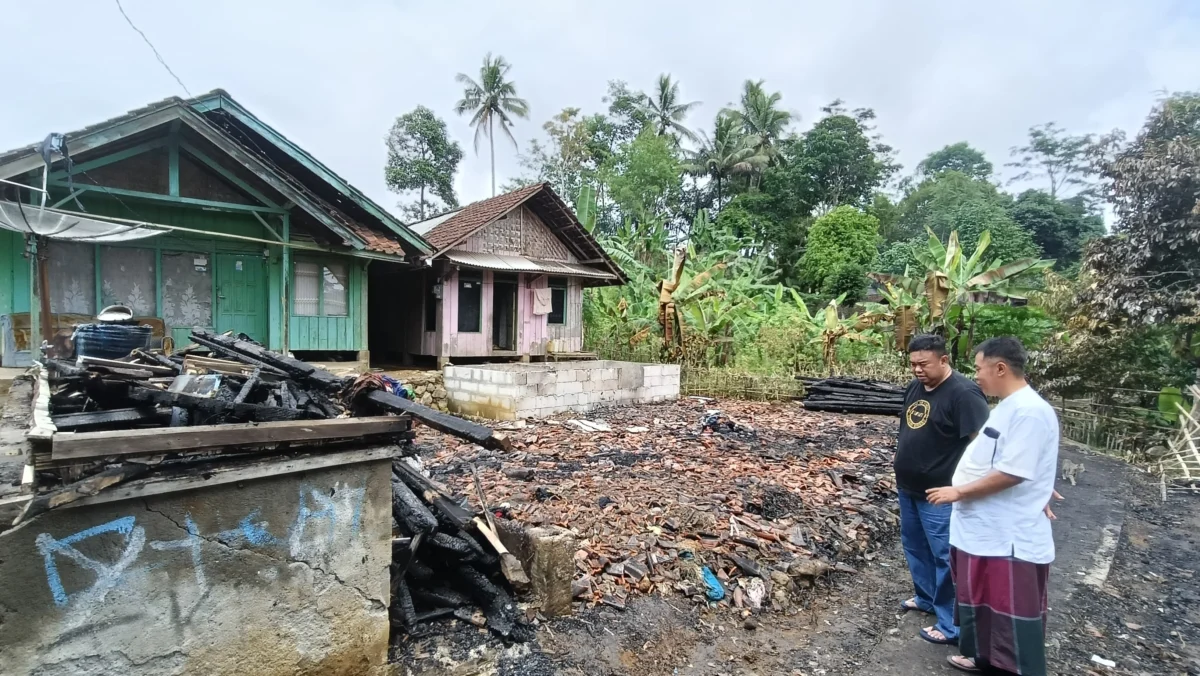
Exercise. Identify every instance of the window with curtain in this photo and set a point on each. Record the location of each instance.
(470, 302)
(558, 301)
(306, 289)
(320, 289)
(334, 285)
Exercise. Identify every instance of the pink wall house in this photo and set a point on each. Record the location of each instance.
(494, 259)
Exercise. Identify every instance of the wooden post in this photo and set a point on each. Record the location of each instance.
(286, 315)
(43, 263)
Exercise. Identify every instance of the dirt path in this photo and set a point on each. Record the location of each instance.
(1123, 582)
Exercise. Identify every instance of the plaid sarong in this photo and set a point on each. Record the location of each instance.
(1001, 611)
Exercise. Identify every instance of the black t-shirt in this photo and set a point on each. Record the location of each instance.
(935, 429)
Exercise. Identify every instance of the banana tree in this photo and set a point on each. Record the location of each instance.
(954, 284)
(834, 329)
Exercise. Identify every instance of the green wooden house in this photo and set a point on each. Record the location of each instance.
(256, 235)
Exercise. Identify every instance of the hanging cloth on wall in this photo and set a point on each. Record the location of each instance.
(542, 301)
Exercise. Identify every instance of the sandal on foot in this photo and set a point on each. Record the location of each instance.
(905, 607)
(940, 641)
(953, 661)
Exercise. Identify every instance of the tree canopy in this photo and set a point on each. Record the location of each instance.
(1149, 271)
(422, 158)
(959, 157)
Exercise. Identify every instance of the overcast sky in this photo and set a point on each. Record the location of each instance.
(332, 76)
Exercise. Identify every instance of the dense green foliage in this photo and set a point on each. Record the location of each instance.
(841, 248)
(785, 234)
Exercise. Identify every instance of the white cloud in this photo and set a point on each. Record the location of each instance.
(332, 76)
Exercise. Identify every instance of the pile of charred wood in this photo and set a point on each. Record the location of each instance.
(852, 395)
(448, 561)
(101, 422)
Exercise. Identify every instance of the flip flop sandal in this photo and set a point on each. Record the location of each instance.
(904, 607)
(940, 641)
(955, 663)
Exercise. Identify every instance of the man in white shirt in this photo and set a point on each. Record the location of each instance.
(1001, 544)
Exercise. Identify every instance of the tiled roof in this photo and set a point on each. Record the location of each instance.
(476, 215)
(376, 241)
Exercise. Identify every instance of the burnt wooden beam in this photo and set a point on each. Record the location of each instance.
(411, 511)
(77, 422)
(82, 445)
(442, 422)
(81, 489)
(160, 360)
(214, 407)
(117, 365)
(241, 349)
(248, 386)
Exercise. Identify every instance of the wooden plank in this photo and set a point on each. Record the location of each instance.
(158, 486)
(72, 422)
(78, 445)
(155, 369)
(443, 422)
(43, 426)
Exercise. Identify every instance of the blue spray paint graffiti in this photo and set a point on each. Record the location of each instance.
(314, 532)
(107, 575)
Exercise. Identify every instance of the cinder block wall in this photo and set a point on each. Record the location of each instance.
(511, 391)
(281, 575)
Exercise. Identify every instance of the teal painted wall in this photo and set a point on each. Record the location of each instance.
(335, 333)
(306, 333)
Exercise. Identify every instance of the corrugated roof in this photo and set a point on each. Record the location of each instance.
(499, 263)
(423, 227)
(379, 239)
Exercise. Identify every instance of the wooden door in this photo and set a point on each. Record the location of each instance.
(242, 295)
(504, 312)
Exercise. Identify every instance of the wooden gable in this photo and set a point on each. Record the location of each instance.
(519, 232)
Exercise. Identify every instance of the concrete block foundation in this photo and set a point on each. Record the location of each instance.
(286, 574)
(511, 391)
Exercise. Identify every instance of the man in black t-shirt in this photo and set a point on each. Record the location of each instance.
(943, 411)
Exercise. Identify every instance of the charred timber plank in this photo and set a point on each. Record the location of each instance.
(442, 422)
(497, 604)
(81, 489)
(440, 597)
(294, 367)
(851, 408)
(448, 511)
(410, 510)
(75, 422)
(215, 407)
(80, 445)
(160, 360)
(404, 604)
(115, 364)
(248, 386)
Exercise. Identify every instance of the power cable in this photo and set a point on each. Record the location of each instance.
(152, 48)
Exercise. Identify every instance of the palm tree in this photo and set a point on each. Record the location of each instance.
(727, 152)
(760, 118)
(666, 111)
(489, 100)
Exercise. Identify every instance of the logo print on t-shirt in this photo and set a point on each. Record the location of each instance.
(917, 415)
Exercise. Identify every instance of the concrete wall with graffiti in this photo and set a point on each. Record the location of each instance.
(281, 575)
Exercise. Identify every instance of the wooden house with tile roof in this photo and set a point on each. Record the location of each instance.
(256, 236)
(505, 280)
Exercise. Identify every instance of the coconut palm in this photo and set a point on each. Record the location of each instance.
(760, 117)
(728, 152)
(490, 100)
(665, 110)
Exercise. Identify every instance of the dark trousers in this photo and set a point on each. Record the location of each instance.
(925, 536)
